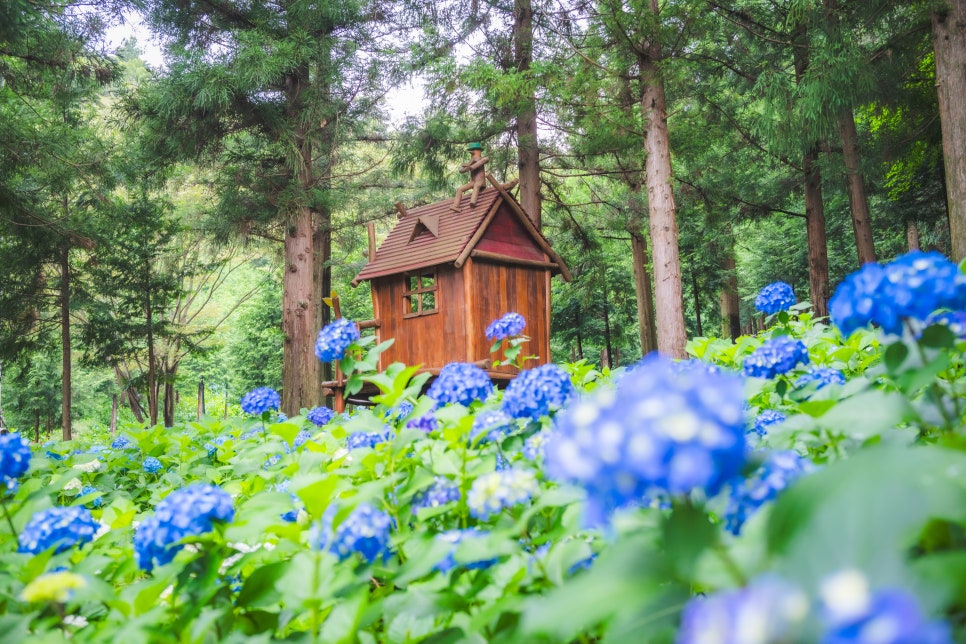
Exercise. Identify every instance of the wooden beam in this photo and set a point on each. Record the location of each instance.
(477, 234)
(369, 324)
(401, 209)
(507, 259)
(372, 241)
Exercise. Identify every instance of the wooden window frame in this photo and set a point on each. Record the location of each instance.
(419, 293)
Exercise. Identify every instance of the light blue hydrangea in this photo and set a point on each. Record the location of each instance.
(122, 442)
(491, 425)
(454, 538)
(441, 492)
(537, 392)
(663, 428)
(152, 465)
(776, 356)
(192, 510)
(258, 401)
(493, 492)
(768, 609)
(400, 411)
(766, 419)
(535, 445)
(955, 320)
(777, 296)
(14, 457)
(460, 383)
(366, 531)
(822, 376)
(335, 338)
(301, 438)
(90, 489)
(508, 325)
(59, 528)
(358, 440)
(426, 422)
(320, 416)
(778, 471)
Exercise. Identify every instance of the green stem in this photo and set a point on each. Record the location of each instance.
(6, 513)
(730, 565)
(934, 391)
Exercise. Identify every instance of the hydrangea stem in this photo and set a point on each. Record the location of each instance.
(6, 513)
(934, 391)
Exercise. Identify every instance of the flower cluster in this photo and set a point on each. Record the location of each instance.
(665, 427)
(766, 419)
(14, 458)
(454, 538)
(365, 531)
(912, 287)
(508, 325)
(490, 425)
(778, 471)
(335, 338)
(493, 492)
(90, 489)
(441, 492)
(777, 296)
(190, 511)
(301, 438)
(56, 586)
(358, 440)
(59, 528)
(534, 446)
(152, 465)
(536, 392)
(767, 610)
(461, 383)
(853, 613)
(777, 356)
(427, 423)
(955, 320)
(258, 401)
(400, 411)
(122, 442)
(320, 416)
(822, 376)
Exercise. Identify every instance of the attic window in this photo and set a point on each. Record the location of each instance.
(419, 296)
(425, 224)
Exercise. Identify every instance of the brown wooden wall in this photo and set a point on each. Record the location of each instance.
(507, 236)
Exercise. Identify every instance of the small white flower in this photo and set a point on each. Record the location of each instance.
(90, 466)
(75, 620)
(73, 484)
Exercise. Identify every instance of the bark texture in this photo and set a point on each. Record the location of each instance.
(65, 410)
(730, 316)
(858, 200)
(527, 146)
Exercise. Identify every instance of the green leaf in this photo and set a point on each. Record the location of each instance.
(688, 532)
(316, 496)
(867, 414)
(895, 355)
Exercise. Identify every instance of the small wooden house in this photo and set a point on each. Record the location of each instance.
(450, 268)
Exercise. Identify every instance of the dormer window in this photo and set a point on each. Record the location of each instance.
(419, 295)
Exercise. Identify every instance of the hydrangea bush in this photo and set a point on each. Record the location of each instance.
(814, 496)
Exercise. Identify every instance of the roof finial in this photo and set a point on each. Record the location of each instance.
(477, 181)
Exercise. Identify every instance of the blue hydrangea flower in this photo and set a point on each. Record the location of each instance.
(58, 528)
(461, 383)
(427, 423)
(122, 442)
(271, 461)
(152, 465)
(190, 511)
(97, 449)
(767, 610)
(280, 417)
(335, 338)
(357, 440)
(400, 411)
(493, 492)
(823, 376)
(777, 296)
(778, 471)
(766, 419)
(258, 401)
(365, 531)
(955, 320)
(776, 356)
(535, 445)
(912, 286)
(536, 392)
(441, 492)
(301, 438)
(90, 489)
(454, 538)
(663, 427)
(508, 325)
(491, 425)
(14, 457)
(854, 614)
(320, 416)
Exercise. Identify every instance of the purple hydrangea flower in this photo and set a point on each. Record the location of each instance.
(536, 392)
(823, 376)
(491, 425)
(508, 325)
(461, 383)
(152, 465)
(427, 423)
(766, 419)
(335, 338)
(663, 428)
(441, 492)
(365, 531)
(767, 610)
(776, 356)
(912, 286)
(59, 528)
(258, 401)
(14, 457)
(320, 416)
(778, 471)
(190, 511)
(493, 492)
(777, 296)
(454, 538)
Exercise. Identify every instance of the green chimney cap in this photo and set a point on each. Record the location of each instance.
(475, 146)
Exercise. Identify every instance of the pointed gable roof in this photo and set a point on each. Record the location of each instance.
(413, 244)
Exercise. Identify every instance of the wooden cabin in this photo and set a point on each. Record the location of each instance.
(450, 268)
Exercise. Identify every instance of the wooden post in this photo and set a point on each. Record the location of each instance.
(201, 398)
(339, 403)
(113, 414)
(372, 241)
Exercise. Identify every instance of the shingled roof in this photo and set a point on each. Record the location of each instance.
(436, 234)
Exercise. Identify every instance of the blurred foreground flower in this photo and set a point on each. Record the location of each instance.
(334, 339)
(59, 528)
(455, 538)
(766, 419)
(52, 587)
(778, 471)
(14, 457)
(777, 296)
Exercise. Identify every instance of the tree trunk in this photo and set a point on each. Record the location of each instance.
(858, 201)
(608, 349)
(152, 367)
(113, 425)
(642, 289)
(697, 303)
(322, 274)
(528, 150)
(912, 235)
(818, 280)
(730, 311)
(201, 398)
(949, 47)
(668, 293)
(65, 342)
(169, 401)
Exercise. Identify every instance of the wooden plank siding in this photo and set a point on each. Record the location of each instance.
(507, 236)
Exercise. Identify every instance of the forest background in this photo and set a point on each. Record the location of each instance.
(150, 219)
